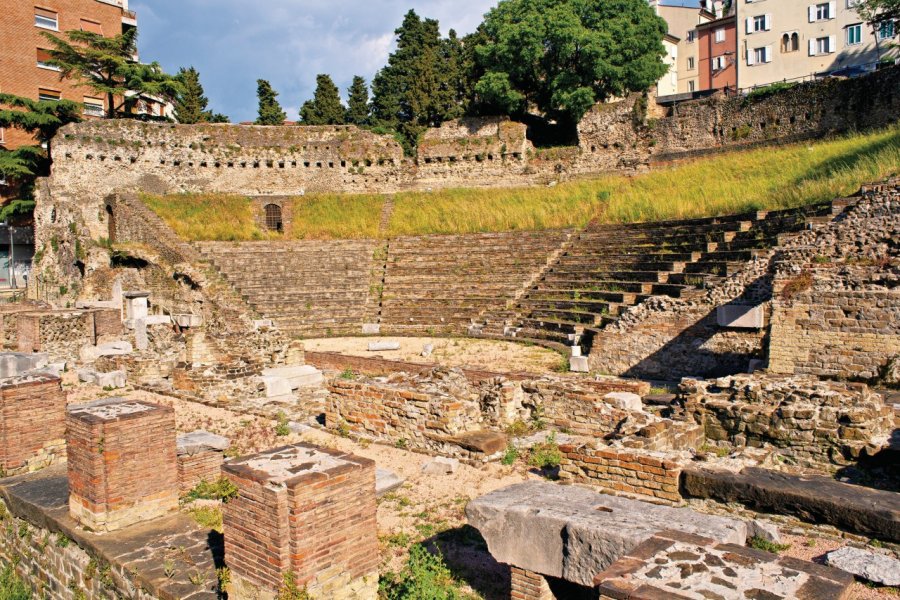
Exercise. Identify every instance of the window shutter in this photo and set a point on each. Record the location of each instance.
(768, 54)
(832, 43)
(832, 9)
(43, 12)
(812, 13)
(768, 26)
(812, 47)
(42, 55)
(91, 26)
(749, 25)
(751, 59)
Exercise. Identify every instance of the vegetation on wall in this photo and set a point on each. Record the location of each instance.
(767, 178)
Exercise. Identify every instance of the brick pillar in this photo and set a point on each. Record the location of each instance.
(122, 463)
(32, 423)
(304, 510)
(200, 457)
(527, 585)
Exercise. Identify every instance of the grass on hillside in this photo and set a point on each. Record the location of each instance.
(732, 182)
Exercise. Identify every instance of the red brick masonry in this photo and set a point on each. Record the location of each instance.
(122, 462)
(32, 423)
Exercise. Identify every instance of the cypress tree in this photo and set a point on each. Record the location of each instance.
(325, 108)
(270, 112)
(358, 102)
(191, 103)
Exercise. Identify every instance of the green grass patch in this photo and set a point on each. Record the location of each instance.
(208, 517)
(767, 546)
(733, 182)
(11, 586)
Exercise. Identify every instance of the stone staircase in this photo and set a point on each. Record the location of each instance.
(309, 289)
(443, 283)
(609, 268)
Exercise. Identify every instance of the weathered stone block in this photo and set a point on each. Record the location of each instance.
(740, 316)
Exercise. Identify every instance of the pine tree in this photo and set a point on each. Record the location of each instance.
(270, 112)
(325, 108)
(190, 106)
(358, 102)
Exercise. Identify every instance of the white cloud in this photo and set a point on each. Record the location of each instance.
(235, 42)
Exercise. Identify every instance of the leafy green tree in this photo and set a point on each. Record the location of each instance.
(21, 166)
(325, 108)
(878, 13)
(214, 117)
(270, 112)
(191, 103)
(563, 56)
(358, 102)
(413, 91)
(107, 66)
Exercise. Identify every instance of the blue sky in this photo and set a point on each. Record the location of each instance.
(235, 42)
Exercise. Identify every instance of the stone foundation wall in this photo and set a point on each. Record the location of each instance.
(808, 420)
(32, 424)
(63, 332)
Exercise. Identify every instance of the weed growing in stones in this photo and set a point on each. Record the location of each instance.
(767, 546)
(545, 454)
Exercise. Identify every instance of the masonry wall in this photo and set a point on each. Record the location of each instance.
(203, 465)
(32, 424)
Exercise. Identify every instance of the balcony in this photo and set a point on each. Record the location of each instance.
(129, 17)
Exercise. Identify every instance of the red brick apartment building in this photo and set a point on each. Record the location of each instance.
(23, 50)
(717, 45)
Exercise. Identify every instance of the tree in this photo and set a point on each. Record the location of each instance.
(358, 102)
(21, 166)
(878, 13)
(325, 108)
(413, 92)
(107, 66)
(270, 112)
(563, 56)
(191, 103)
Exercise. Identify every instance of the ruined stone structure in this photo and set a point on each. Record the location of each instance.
(121, 461)
(200, 458)
(32, 423)
(305, 511)
(64, 330)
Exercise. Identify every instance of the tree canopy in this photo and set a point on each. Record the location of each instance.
(325, 108)
(358, 102)
(563, 56)
(107, 66)
(270, 111)
(191, 103)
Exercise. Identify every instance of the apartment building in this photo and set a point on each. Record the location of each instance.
(681, 45)
(717, 45)
(781, 40)
(23, 68)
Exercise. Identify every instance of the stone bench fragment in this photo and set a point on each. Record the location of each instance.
(383, 346)
(625, 400)
(386, 481)
(119, 348)
(121, 462)
(113, 379)
(184, 321)
(13, 364)
(573, 533)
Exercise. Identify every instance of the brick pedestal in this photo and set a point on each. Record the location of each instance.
(122, 463)
(526, 585)
(304, 510)
(32, 423)
(200, 457)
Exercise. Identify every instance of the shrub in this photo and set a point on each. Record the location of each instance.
(282, 426)
(512, 453)
(208, 517)
(11, 587)
(221, 489)
(424, 577)
(767, 546)
(546, 454)
(797, 285)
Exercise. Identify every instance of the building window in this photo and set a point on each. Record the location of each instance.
(759, 23)
(821, 45)
(48, 95)
(790, 42)
(886, 30)
(93, 107)
(43, 60)
(2, 136)
(691, 35)
(691, 63)
(720, 35)
(821, 12)
(46, 19)
(91, 26)
(719, 63)
(273, 217)
(761, 55)
(691, 86)
(854, 34)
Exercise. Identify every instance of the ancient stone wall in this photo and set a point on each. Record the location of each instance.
(806, 419)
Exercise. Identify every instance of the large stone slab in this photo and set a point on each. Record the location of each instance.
(297, 376)
(119, 348)
(741, 316)
(877, 568)
(199, 440)
(13, 364)
(812, 498)
(574, 533)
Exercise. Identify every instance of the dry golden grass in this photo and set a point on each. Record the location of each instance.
(733, 182)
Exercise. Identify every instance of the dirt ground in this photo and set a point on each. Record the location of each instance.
(492, 355)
